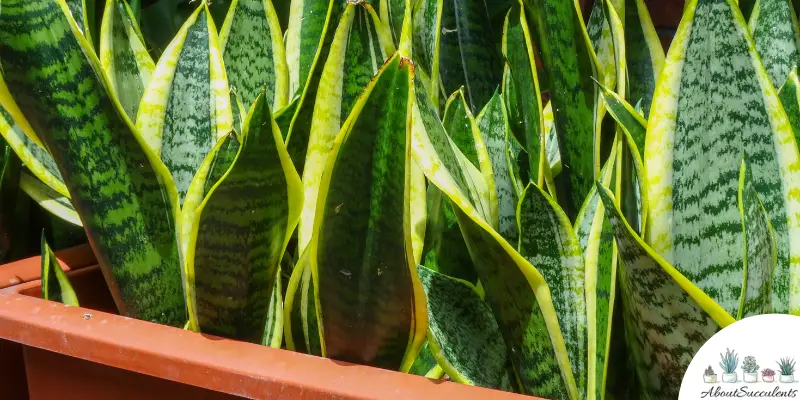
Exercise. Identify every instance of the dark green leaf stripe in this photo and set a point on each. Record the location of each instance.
(494, 130)
(521, 92)
(653, 294)
(55, 285)
(35, 156)
(468, 55)
(243, 227)
(644, 53)
(426, 40)
(444, 250)
(124, 56)
(789, 95)
(760, 254)
(600, 259)
(463, 334)
(547, 240)
(253, 51)
(370, 303)
(360, 46)
(238, 111)
(186, 107)
(700, 125)
(567, 59)
(776, 33)
(120, 189)
(46, 197)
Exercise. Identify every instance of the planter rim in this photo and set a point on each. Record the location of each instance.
(29, 269)
(214, 363)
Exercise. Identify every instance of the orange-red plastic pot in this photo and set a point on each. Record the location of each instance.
(83, 353)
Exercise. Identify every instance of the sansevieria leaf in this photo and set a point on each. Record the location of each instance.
(254, 54)
(311, 31)
(493, 126)
(598, 27)
(55, 284)
(569, 65)
(789, 95)
(300, 324)
(701, 123)
(760, 255)
(370, 303)
(776, 34)
(600, 259)
(48, 199)
(522, 92)
(654, 293)
(463, 334)
(241, 232)
(121, 190)
(186, 107)
(515, 290)
(644, 54)
(359, 48)
(83, 13)
(547, 240)
(273, 332)
(627, 118)
(10, 170)
(124, 56)
(19, 135)
(467, 53)
(427, 34)
(392, 12)
(462, 128)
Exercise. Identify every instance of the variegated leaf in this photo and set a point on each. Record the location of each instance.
(49, 199)
(392, 12)
(600, 259)
(55, 284)
(254, 54)
(186, 107)
(273, 332)
(241, 231)
(568, 62)
(493, 126)
(360, 46)
(644, 54)
(467, 54)
(776, 33)
(760, 254)
(371, 309)
(714, 102)
(653, 293)
(789, 95)
(124, 56)
(427, 39)
(463, 334)
(547, 240)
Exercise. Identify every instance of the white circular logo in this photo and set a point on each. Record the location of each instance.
(757, 357)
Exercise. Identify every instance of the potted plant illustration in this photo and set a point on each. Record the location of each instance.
(786, 367)
(750, 369)
(768, 375)
(709, 376)
(730, 361)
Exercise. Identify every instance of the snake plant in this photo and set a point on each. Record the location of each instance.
(386, 183)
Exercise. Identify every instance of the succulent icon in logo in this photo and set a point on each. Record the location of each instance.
(750, 369)
(768, 375)
(786, 367)
(709, 376)
(729, 362)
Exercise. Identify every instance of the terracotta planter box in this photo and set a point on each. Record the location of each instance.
(48, 350)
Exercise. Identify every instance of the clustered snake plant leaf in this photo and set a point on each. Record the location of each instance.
(387, 183)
